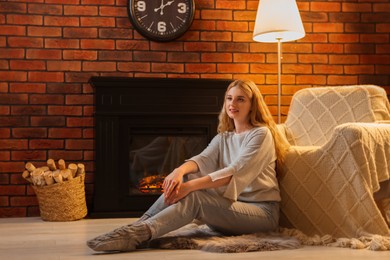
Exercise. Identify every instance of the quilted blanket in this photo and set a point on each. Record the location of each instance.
(329, 189)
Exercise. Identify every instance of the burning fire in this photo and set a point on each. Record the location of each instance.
(151, 184)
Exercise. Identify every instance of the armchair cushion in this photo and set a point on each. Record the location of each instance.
(327, 185)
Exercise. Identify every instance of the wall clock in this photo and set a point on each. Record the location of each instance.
(161, 20)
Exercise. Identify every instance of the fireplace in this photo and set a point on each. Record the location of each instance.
(144, 129)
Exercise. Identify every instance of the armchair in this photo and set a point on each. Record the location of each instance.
(339, 155)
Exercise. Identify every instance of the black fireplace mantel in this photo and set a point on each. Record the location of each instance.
(123, 103)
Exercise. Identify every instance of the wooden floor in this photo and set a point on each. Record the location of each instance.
(32, 238)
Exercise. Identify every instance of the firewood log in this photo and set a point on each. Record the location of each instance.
(57, 176)
(48, 175)
(73, 168)
(37, 177)
(51, 164)
(66, 175)
(30, 167)
(61, 164)
(27, 176)
(80, 169)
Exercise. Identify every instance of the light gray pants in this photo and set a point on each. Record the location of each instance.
(219, 213)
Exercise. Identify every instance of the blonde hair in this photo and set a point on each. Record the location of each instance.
(259, 116)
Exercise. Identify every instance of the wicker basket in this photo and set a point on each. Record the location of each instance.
(62, 201)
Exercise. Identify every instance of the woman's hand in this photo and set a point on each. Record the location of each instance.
(172, 183)
(174, 197)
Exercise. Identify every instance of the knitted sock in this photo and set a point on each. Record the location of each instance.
(125, 238)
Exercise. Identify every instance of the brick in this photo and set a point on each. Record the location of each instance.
(47, 99)
(342, 80)
(61, 21)
(67, 2)
(64, 110)
(27, 65)
(183, 57)
(359, 69)
(43, 144)
(149, 56)
(380, 7)
(44, 31)
(67, 155)
(5, 110)
(325, 7)
(30, 132)
(46, 76)
(343, 38)
(132, 45)
(216, 36)
(97, 44)
(79, 99)
(167, 67)
(65, 133)
(218, 15)
(328, 27)
(297, 69)
(5, 133)
(375, 18)
(115, 33)
(13, 76)
(24, 201)
(11, 53)
(311, 79)
(28, 155)
(380, 80)
(356, 8)
(233, 68)
(25, 42)
(7, 212)
(375, 59)
(232, 47)
(216, 57)
(203, 25)
(374, 38)
(63, 65)
(27, 88)
(80, 144)
(328, 48)
(116, 55)
(11, 189)
(359, 48)
(28, 110)
(263, 68)
(99, 66)
(328, 69)
(383, 28)
(98, 2)
(14, 121)
(42, 54)
(287, 58)
(62, 43)
(232, 26)
(24, 19)
(4, 201)
(113, 11)
(79, 10)
(167, 46)
(63, 88)
(134, 66)
(80, 121)
(344, 17)
(344, 59)
(237, 5)
(80, 32)
(11, 167)
(244, 16)
(45, 9)
(200, 46)
(97, 22)
(7, 7)
(79, 55)
(382, 48)
(312, 58)
(79, 76)
(200, 68)
(314, 16)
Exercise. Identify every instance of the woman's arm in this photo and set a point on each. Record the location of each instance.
(194, 185)
(174, 180)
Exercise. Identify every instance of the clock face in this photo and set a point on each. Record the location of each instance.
(161, 20)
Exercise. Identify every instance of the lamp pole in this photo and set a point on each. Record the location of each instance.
(279, 76)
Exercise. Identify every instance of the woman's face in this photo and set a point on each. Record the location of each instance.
(238, 105)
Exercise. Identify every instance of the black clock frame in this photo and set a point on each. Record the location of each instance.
(160, 38)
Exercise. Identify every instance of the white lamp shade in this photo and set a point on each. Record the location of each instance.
(278, 19)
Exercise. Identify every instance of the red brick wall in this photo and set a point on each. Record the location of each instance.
(50, 48)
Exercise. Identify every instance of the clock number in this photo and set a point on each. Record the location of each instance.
(141, 6)
(161, 27)
(182, 8)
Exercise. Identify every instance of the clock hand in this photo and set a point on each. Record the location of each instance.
(160, 8)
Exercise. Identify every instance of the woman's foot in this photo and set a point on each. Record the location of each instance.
(125, 238)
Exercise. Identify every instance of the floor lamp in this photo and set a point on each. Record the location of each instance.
(278, 21)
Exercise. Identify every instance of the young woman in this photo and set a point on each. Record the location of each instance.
(231, 186)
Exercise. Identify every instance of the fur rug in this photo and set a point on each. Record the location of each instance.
(194, 236)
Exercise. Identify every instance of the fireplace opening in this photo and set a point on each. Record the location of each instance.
(145, 128)
(156, 152)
